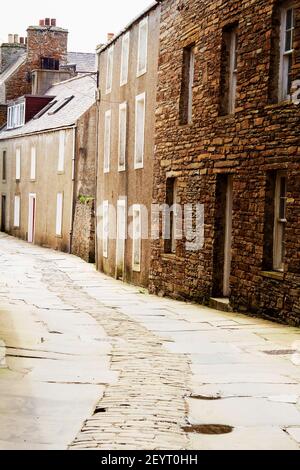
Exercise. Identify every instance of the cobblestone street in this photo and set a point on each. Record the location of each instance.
(94, 363)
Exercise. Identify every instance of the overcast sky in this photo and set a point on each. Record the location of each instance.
(88, 21)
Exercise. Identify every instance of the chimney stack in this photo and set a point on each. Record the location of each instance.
(22, 40)
(42, 22)
(10, 38)
(47, 22)
(110, 37)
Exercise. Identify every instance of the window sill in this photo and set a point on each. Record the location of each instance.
(275, 275)
(141, 73)
(136, 269)
(3, 181)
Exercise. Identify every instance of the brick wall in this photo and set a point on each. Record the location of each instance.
(3, 114)
(262, 136)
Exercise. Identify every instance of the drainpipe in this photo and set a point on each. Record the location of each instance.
(98, 101)
(73, 198)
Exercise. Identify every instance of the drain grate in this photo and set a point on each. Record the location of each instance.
(281, 352)
(209, 429)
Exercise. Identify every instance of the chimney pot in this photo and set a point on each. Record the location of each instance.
(42, 23)
(16, 38)
(110, 36)
(10, 38)
(22, 40)
(47, 21)
(53, 22)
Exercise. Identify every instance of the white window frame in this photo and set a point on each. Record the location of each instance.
(109, 69)
(285, 55)
(105, 228)
(16, 116)
(136, 237)
(61, 151)
(59, 214)
(279, 225)
(232, 71)
(121, 232)
(142, 70)
(122, 145)
(107, 142)
(18, 164)
(139, 164)
(17, 211)
(125, 59)
(33, 163)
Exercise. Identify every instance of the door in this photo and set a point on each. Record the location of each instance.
(223, 236)
(121, 236)
(3, 213)
(31, 218)
(228, 238)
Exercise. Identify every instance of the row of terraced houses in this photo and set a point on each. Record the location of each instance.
(191, 116)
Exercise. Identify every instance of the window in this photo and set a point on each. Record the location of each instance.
(59, 214)
(48, 63)
(16, 116)
(4, 165)
(229, 70)
(286, 52)
(109, 70)
(280, 221)
(61, 152)
(17, 207)
(125, 59)
(33, 164)
(60, 104)
(105, 228)
(18, 164)
(107, 141)
(45, 109)
(139, 130)
(186, 98)
(142, 47)
(170, 236)
(137, 240)
(122, 136)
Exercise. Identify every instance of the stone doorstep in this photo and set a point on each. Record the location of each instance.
(221, 304)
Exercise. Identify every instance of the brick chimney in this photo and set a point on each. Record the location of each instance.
(11, 50)
(46, 41)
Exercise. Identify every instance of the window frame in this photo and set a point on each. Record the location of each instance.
(279, 222)
(233, 70)
(109, 69)
(4, 166)
(18, 163)
(139, 164)
(61, 152)
(285, 55)
(105, 228)
(107, 142)
(125, 59)
(33, 163)
(143, 23)
(122, 107)
(136, 267)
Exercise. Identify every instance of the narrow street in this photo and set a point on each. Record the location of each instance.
(91, 363)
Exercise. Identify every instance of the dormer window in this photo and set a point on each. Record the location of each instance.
(48, 63)
(16, 116)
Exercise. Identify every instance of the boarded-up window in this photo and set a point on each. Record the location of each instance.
(107, 141)
(125, 59)
(122, 136)
(109, 70)
(4, 165)
(139, 130)
(137, 240)
(229, 70)
(18, 164)
(105, 228)
(61, 152)
(187, 82)
(142, 47)
(33, 164)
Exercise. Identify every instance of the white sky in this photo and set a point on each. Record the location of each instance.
(88, 21)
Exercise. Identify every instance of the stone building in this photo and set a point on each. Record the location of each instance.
(47, 166)
(227, 136)
(128, 74)
(33, 64)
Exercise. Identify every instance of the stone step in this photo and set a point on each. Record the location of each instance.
(221, 304)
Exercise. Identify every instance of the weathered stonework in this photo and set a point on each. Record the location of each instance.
(261, 136)
(83, 242)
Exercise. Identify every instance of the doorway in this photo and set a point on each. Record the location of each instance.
(31, 218)
(121, 236)
(223, 236)
(3, 213)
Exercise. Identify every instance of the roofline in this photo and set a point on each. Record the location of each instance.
(44, 131)
(153, 6)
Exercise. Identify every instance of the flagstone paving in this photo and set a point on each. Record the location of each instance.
(92, 363)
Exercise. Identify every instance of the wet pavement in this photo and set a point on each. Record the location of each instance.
(94, 363)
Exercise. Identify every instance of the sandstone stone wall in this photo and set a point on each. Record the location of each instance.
(261, 136)
(83, 242)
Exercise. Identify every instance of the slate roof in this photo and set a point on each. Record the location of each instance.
(85, 61)
(82, 88)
